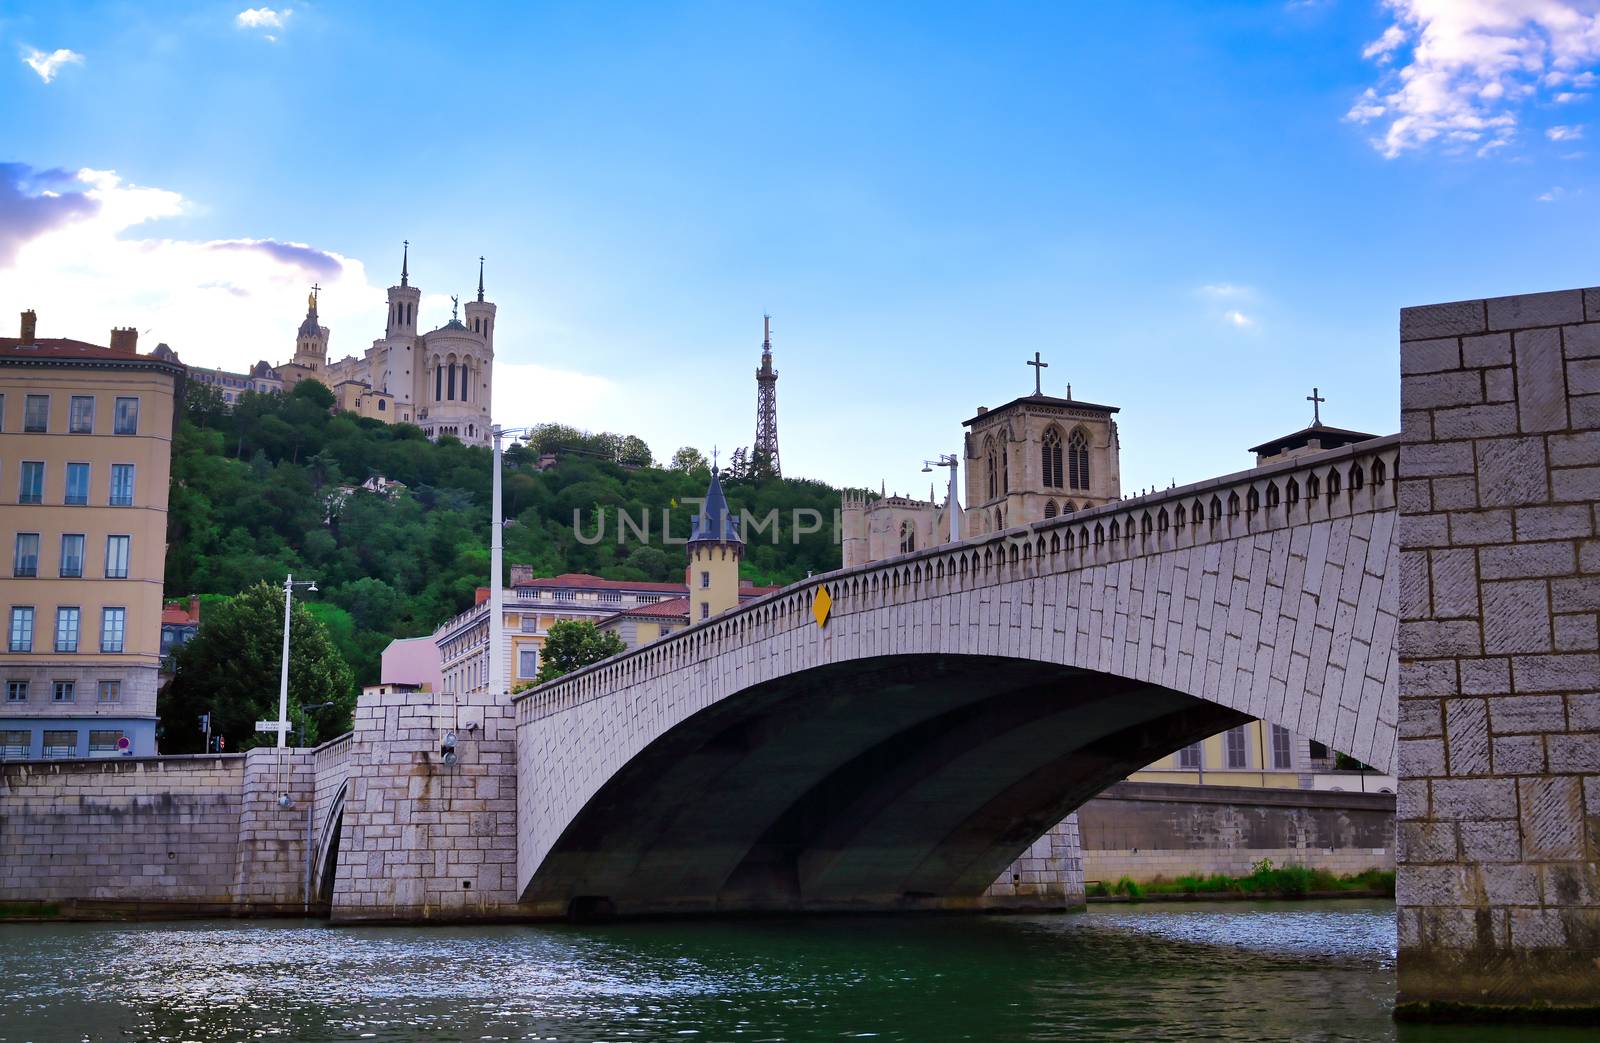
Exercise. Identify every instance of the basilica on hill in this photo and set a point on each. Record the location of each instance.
(442, 380)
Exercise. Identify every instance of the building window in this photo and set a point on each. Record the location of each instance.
(104, 741)
(127, 417)
(1190, 756)
(527, 662)
(992, 466)
(705, 610)
(1238, 751)
(77, 485)
(1078, 460)
(1050, 453)
(1050, 509)
(705, 580)
(908, 538)
(1316, 750)
(80, 418)
(15, 744)
(113, 624)
(36, 414)
(111, 691)
(60, 743)
(71, 555)
(117, 556)
(121, 485)
(16, 691)
(382, 405)
(66, 630)
(30, 483)
(21, 628)
(64, 692)
(1282, 756)
(25, 562)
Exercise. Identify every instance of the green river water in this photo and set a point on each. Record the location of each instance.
(1256, 971)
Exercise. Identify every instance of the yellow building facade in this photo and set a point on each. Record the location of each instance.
(85, 461)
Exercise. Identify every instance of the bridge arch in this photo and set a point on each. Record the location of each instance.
(912, 747)
(325, 862)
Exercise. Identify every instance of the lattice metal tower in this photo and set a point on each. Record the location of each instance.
(766, 447)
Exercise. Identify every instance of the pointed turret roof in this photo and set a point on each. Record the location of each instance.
(715, 523)
(480, 278)
(405, 264)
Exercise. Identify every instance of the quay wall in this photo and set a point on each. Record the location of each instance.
(1145, 830)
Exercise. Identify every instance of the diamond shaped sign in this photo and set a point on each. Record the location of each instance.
(821, 605)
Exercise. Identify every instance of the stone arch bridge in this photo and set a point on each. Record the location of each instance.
(960, 701)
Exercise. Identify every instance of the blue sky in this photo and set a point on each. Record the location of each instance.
(1196, 212)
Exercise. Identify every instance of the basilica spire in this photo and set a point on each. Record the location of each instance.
(405, 264)
(480, 278)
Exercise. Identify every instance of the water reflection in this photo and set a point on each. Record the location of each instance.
(1174, 972)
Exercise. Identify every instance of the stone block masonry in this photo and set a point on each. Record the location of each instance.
(165, 836)
(423, 839)
(1499, 746)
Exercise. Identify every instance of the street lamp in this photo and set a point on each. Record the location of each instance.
(497, 621)
(950, 461)
(289, 583)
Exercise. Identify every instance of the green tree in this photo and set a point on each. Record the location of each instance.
(231, 669)
(572, 644)
(690, 460)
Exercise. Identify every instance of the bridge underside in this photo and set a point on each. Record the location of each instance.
(894, 783)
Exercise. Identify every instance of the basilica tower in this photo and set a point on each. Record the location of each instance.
(311, 342)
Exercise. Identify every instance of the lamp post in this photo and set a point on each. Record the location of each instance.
(951, 461)
(289, 583)
(497, 620)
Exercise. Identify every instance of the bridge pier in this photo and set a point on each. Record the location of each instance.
(1499, 753)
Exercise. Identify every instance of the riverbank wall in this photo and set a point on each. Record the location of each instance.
(1146, 830)
(156, 836)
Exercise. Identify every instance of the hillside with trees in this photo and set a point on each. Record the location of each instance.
(272, 487)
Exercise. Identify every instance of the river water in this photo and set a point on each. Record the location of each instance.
(1257, 971)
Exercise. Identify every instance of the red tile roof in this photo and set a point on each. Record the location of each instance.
(52, 349)
(672, 608)
(177, 615)
(587, 582)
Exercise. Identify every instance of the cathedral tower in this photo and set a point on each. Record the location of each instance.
(403, 300)
(480, 314)
(1039, 457)
(715, 548)
(311, 342)
(764, 456)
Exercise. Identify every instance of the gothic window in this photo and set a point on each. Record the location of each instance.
(908, 538)
(1333, 483)
(1050, 509)
(1179, 516)
(1233, 505)
(1378, 475)
(1005, 468)
(1272, 495)
(1356, 478)
(1078, 460)
(1252, 501)
(1294, 492)
(1313, 487)
(992, 463)
(1067, 507)
(1050, 459)
(1162, 521)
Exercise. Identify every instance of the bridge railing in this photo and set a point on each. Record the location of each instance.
(1356, 479)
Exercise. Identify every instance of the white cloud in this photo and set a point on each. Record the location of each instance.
(1238, 318)
(1458, 71)
(1226, 290)
(264, 19)
(48, 65)
(78, 248)
(1564, 133)
(1552, 195)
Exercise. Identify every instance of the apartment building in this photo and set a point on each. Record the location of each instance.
(85, 458)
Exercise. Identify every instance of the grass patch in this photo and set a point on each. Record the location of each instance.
(1265, 881)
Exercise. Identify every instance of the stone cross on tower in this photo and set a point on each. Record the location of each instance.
(1316, 400)
(1038, 373)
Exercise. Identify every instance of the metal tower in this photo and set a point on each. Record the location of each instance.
(765, 453)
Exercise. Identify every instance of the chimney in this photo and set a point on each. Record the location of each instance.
(480, 595)
(982, 410)
(30, 323)
(194, 607)
(125, 338)
(521, 575)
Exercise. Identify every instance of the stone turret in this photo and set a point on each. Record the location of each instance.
(715, 549)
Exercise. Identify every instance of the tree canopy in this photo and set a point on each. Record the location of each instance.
(231, 670)
(272, 487)
(572, 644)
